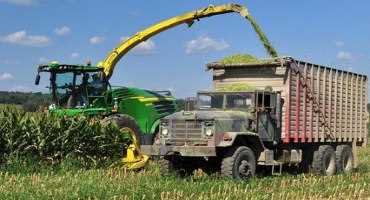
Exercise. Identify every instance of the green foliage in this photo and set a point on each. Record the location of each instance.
(56, 183)
(50, 138)
(30, 101)
(180, 104)
(236, 87)
(239, 58)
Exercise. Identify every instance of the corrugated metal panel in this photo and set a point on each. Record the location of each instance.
(324, 104)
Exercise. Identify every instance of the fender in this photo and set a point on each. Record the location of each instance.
(154, 126)
(250, 139)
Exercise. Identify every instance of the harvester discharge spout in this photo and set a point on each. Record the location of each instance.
(189, 18)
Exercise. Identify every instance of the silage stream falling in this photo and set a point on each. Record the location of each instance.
(261, 35)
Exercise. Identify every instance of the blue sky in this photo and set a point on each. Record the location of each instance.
(334, 33)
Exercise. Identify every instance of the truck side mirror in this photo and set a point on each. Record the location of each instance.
(37, 80)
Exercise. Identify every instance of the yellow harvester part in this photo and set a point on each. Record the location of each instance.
(113, 57)
(133, 158)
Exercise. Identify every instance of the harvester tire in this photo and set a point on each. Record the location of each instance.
(126, 121)
(324, 161)
(239, 163)
(344, 158)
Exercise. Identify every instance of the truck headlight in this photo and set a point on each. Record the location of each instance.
(164, 131)
(209, 131)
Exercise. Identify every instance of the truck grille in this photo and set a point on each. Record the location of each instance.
(186, 132)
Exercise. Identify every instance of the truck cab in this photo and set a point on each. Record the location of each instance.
(224, 122)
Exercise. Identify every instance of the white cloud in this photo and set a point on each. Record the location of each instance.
(20, 88)
(339, 43)
(144, 48)
(96, 40)
(22, 38)
(75, 55)
(21, 2)
(204, 44)
(344, 56)
(43, 60)
(9, 62)
(6, 76)
(64, 30)
(134, 14)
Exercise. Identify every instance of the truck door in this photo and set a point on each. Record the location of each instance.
(268, 111)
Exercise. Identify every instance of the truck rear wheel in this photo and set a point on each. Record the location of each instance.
(344, 158)
(324, 161)
(239, 163)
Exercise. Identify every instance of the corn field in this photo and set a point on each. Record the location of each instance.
(50, 138)
(115, 183)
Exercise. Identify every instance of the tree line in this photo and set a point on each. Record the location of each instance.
(30, 101)
(35, 101)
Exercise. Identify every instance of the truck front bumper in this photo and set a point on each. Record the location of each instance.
(193, 151)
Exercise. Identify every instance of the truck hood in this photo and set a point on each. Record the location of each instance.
(224, 121)
(209, 115)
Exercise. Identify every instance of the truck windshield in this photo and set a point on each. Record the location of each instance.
(238, 101)
(225, 101)
(208, 101)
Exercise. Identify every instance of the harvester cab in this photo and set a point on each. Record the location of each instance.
(74, 86)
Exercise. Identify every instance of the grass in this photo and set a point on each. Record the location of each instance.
(24, 181)
(24, 177)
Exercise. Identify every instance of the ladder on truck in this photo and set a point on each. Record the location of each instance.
(311, 97)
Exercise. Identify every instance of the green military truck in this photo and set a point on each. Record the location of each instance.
(294, 114)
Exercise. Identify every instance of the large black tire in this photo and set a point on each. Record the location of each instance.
(239, 163)
(324, 161)
(165, 166)
(169, 165)
(307, 159)
(344, 158)
(126, 121)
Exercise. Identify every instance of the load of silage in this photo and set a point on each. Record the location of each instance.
(239, 59)
(236, 87)
(51, 138)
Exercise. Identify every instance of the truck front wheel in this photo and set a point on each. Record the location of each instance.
(239, 163)
(166, 166)
(171, 165)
